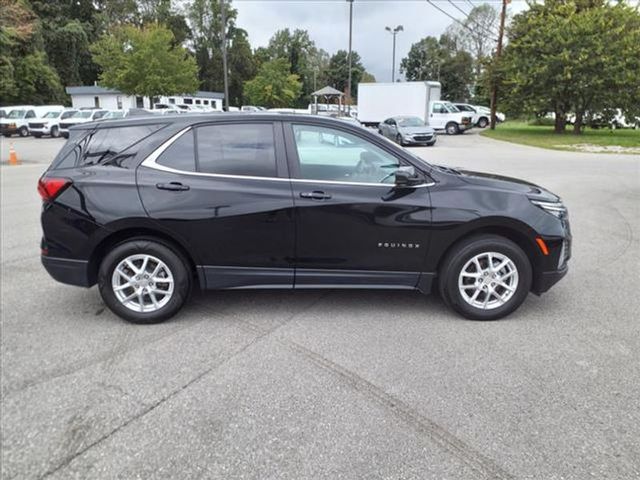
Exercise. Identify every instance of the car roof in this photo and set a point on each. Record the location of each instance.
(195, 118)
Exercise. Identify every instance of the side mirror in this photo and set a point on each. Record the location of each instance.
(406, 177)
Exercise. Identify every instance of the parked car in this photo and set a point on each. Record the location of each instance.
(251, 108)
(81, 116)
(407, 130)
(18, 118)
(149, 207)
(49, 124)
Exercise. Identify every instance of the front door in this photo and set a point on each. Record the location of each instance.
(439, 115)
(223, 188)
(353, 226)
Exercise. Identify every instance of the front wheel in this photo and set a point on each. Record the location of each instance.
(23, 131)
(144, 281)
(399, 139)
(55, 132)
(483, 122)
(452, 128)
(486, 277)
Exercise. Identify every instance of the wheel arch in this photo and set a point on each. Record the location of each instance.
(509, 232)
(125, 234)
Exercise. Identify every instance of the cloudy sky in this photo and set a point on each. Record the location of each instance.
(327, 22)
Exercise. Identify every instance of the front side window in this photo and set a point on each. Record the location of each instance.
(333, 155)
(237, 149)
(438, 108)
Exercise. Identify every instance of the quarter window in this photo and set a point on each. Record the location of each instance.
(237, 149)
(181, 154)
(334, 155)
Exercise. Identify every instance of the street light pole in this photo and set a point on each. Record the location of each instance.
(224, 55)
(394, 32)
(350, 37)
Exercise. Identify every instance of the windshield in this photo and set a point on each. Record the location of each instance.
(114, 115)
(410, 122)
(16, 114)
(82, 114)
(451, 107)
(67, 115)
(52, 115)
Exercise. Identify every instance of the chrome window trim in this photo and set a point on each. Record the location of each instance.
(151, 162)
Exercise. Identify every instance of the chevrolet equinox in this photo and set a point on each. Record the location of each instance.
(149, 207)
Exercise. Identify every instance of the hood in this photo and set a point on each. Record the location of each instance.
(415, 130)
(500, 182)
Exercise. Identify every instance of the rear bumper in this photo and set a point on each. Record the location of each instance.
(546, 280)
(65, 270)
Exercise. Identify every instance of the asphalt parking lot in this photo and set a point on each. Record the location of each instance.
(334, 384)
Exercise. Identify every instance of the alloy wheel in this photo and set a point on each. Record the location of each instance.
(488, 280)
(142, 283)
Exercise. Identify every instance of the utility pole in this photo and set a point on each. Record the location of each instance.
(494, 88)
(350, 37)
(224, 55)
(394, 32)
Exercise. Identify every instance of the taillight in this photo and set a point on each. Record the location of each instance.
(50, 188)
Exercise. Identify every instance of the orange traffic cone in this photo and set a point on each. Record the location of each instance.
(13, 157)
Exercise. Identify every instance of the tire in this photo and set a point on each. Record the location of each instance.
(64, 134)
(399, 139)
(23, 131)
(461, 258)
(483, 122)
(172, 269)
(55, 132)
(452, 128)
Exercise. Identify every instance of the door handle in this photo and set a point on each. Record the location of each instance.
(315, 195)
(172, 186)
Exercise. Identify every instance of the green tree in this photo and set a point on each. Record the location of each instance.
(25, 73)
(304, 58)
(274, 85)
(241, 64)
(572, 56)
(441, 60)
(145, 61)
(338, 73)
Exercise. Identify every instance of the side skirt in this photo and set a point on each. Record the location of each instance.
(219, 278)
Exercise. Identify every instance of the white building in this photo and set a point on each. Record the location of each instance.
(101, 97)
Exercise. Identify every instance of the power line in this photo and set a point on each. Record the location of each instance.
(481, 27)
(430, 2)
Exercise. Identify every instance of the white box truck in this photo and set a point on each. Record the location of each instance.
(379, 101)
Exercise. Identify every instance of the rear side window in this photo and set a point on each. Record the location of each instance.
(180, 154)
(105, 146)
(237, 149)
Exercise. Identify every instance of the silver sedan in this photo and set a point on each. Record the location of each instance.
(406, 130)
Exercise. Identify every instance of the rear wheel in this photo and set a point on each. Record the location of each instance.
(485, 277)
(483, 122)
(144, 281)
(452, 128)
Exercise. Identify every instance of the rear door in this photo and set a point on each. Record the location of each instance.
(223, 188)
(353, 226)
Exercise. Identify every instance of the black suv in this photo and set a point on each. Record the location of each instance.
(148, 207)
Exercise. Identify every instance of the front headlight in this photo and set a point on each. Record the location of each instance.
(556, 209)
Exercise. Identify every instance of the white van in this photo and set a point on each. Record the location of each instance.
(18, 117)
(81, 116)
(49, 124)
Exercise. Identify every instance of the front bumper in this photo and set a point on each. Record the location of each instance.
(546, 280)
(65, 270)
(419, 139)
